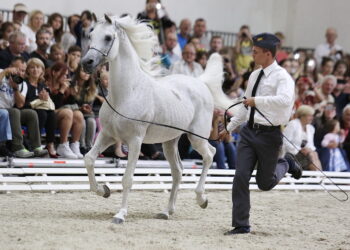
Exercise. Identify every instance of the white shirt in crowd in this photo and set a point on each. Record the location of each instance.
(324, 50)
(181, 67)
(295, 133)
(274, 98)
(7, 99)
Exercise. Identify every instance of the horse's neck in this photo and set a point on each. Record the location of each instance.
(127, 77)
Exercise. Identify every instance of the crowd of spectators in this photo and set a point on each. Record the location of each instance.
(44, 91)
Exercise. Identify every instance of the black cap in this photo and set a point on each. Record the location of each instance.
(266, 41)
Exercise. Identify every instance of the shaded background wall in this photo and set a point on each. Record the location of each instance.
(302, 21)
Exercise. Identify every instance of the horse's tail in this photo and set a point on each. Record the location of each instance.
(213, 77)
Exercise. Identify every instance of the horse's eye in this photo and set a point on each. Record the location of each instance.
(108, 38)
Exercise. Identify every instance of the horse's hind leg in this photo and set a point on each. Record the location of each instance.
(101, 143)
(207, 151)
(172, 155)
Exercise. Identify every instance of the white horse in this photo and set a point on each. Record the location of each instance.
(177, 100)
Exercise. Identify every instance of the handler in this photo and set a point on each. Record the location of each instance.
(271, 91)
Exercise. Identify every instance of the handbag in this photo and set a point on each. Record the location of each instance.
(41, 104)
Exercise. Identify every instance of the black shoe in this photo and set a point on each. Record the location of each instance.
(238, 230)
(294, 168)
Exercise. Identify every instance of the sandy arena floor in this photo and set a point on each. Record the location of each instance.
(280, 220)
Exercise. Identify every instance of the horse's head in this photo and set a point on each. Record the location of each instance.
(104, 44)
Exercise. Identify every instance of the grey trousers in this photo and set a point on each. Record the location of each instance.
(28, 118)
(88, 132)
(261, 148)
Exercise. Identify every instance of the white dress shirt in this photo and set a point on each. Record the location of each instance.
(182, 67)
(274, 98)
(325, 49)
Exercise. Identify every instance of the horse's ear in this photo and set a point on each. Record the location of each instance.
(108, 19)
(94, 17)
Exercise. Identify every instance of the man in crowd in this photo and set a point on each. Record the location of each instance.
(43, 38)
(199, 31)
(185, 32)
(187, 65)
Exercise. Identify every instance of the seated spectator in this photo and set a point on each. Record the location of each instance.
(83, 29)
(56, 22)
(301, 133)
(56, 54)
(19, 13)
(310, 71)
(333, 157)
(185, 32)
(7, 28)
(73, 60)
(5, 131)
(330, 48)
(16, 48)
(287, 65)
(281, 54)
(327, 66)
(68, 116)
(43, 38)
(202, 58)
(305, 92)
(225, 150)
(49, 29)
(244, 49)
(168, 56)
(199, 31)
(196, 43)
(156, 15)
(341, 72)
(69, 38)
(324, 94)
(84, 89)
(36, 19)
(11, 95)
(37, 97)
(345, 125)
(296, 69)
(319, 123)
(215, 45)
(187, 65)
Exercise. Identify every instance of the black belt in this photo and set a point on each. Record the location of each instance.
(257, 126)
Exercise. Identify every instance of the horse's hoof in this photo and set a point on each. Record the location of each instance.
(162, 216)
(205, 204)
(117, 220)
(107, 191)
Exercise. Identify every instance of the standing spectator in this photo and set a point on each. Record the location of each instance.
(333, 157)
(18, 15)
(168, 56)
(68, 115)
(215, 44)
(7, 28)
(187, 64)
(69, 38)
(37, 97)
(185, 32)
(199, 31)
(36, 19)
(56, 22)
(12, 96)
(329, 48)
(243, 49)
(82, 30)
(15, 49)
(157, 16)
(43, 37)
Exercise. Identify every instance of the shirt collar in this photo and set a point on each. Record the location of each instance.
(270, 68)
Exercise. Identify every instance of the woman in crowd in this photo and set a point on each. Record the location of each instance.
(36, 19)
(37, 97)
(327, 66)
(341, 72)
(202, 58)
(85, 91)
(69, 117)
(56, 22)
(7, 28)
(301, 133)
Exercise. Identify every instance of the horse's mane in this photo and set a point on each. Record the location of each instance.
(144, 41)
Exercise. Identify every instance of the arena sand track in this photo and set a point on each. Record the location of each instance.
(81, 220)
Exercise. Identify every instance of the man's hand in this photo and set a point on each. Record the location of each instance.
(249, 102)
(222, 135)
(332, 144)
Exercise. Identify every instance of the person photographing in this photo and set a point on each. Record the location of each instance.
(270, 90)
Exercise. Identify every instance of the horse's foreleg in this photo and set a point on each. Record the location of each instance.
(133, 155)
(207, 151)
(101, 143)
(172, 155)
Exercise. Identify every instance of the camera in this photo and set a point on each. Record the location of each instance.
(244, 35)
(16, 79)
